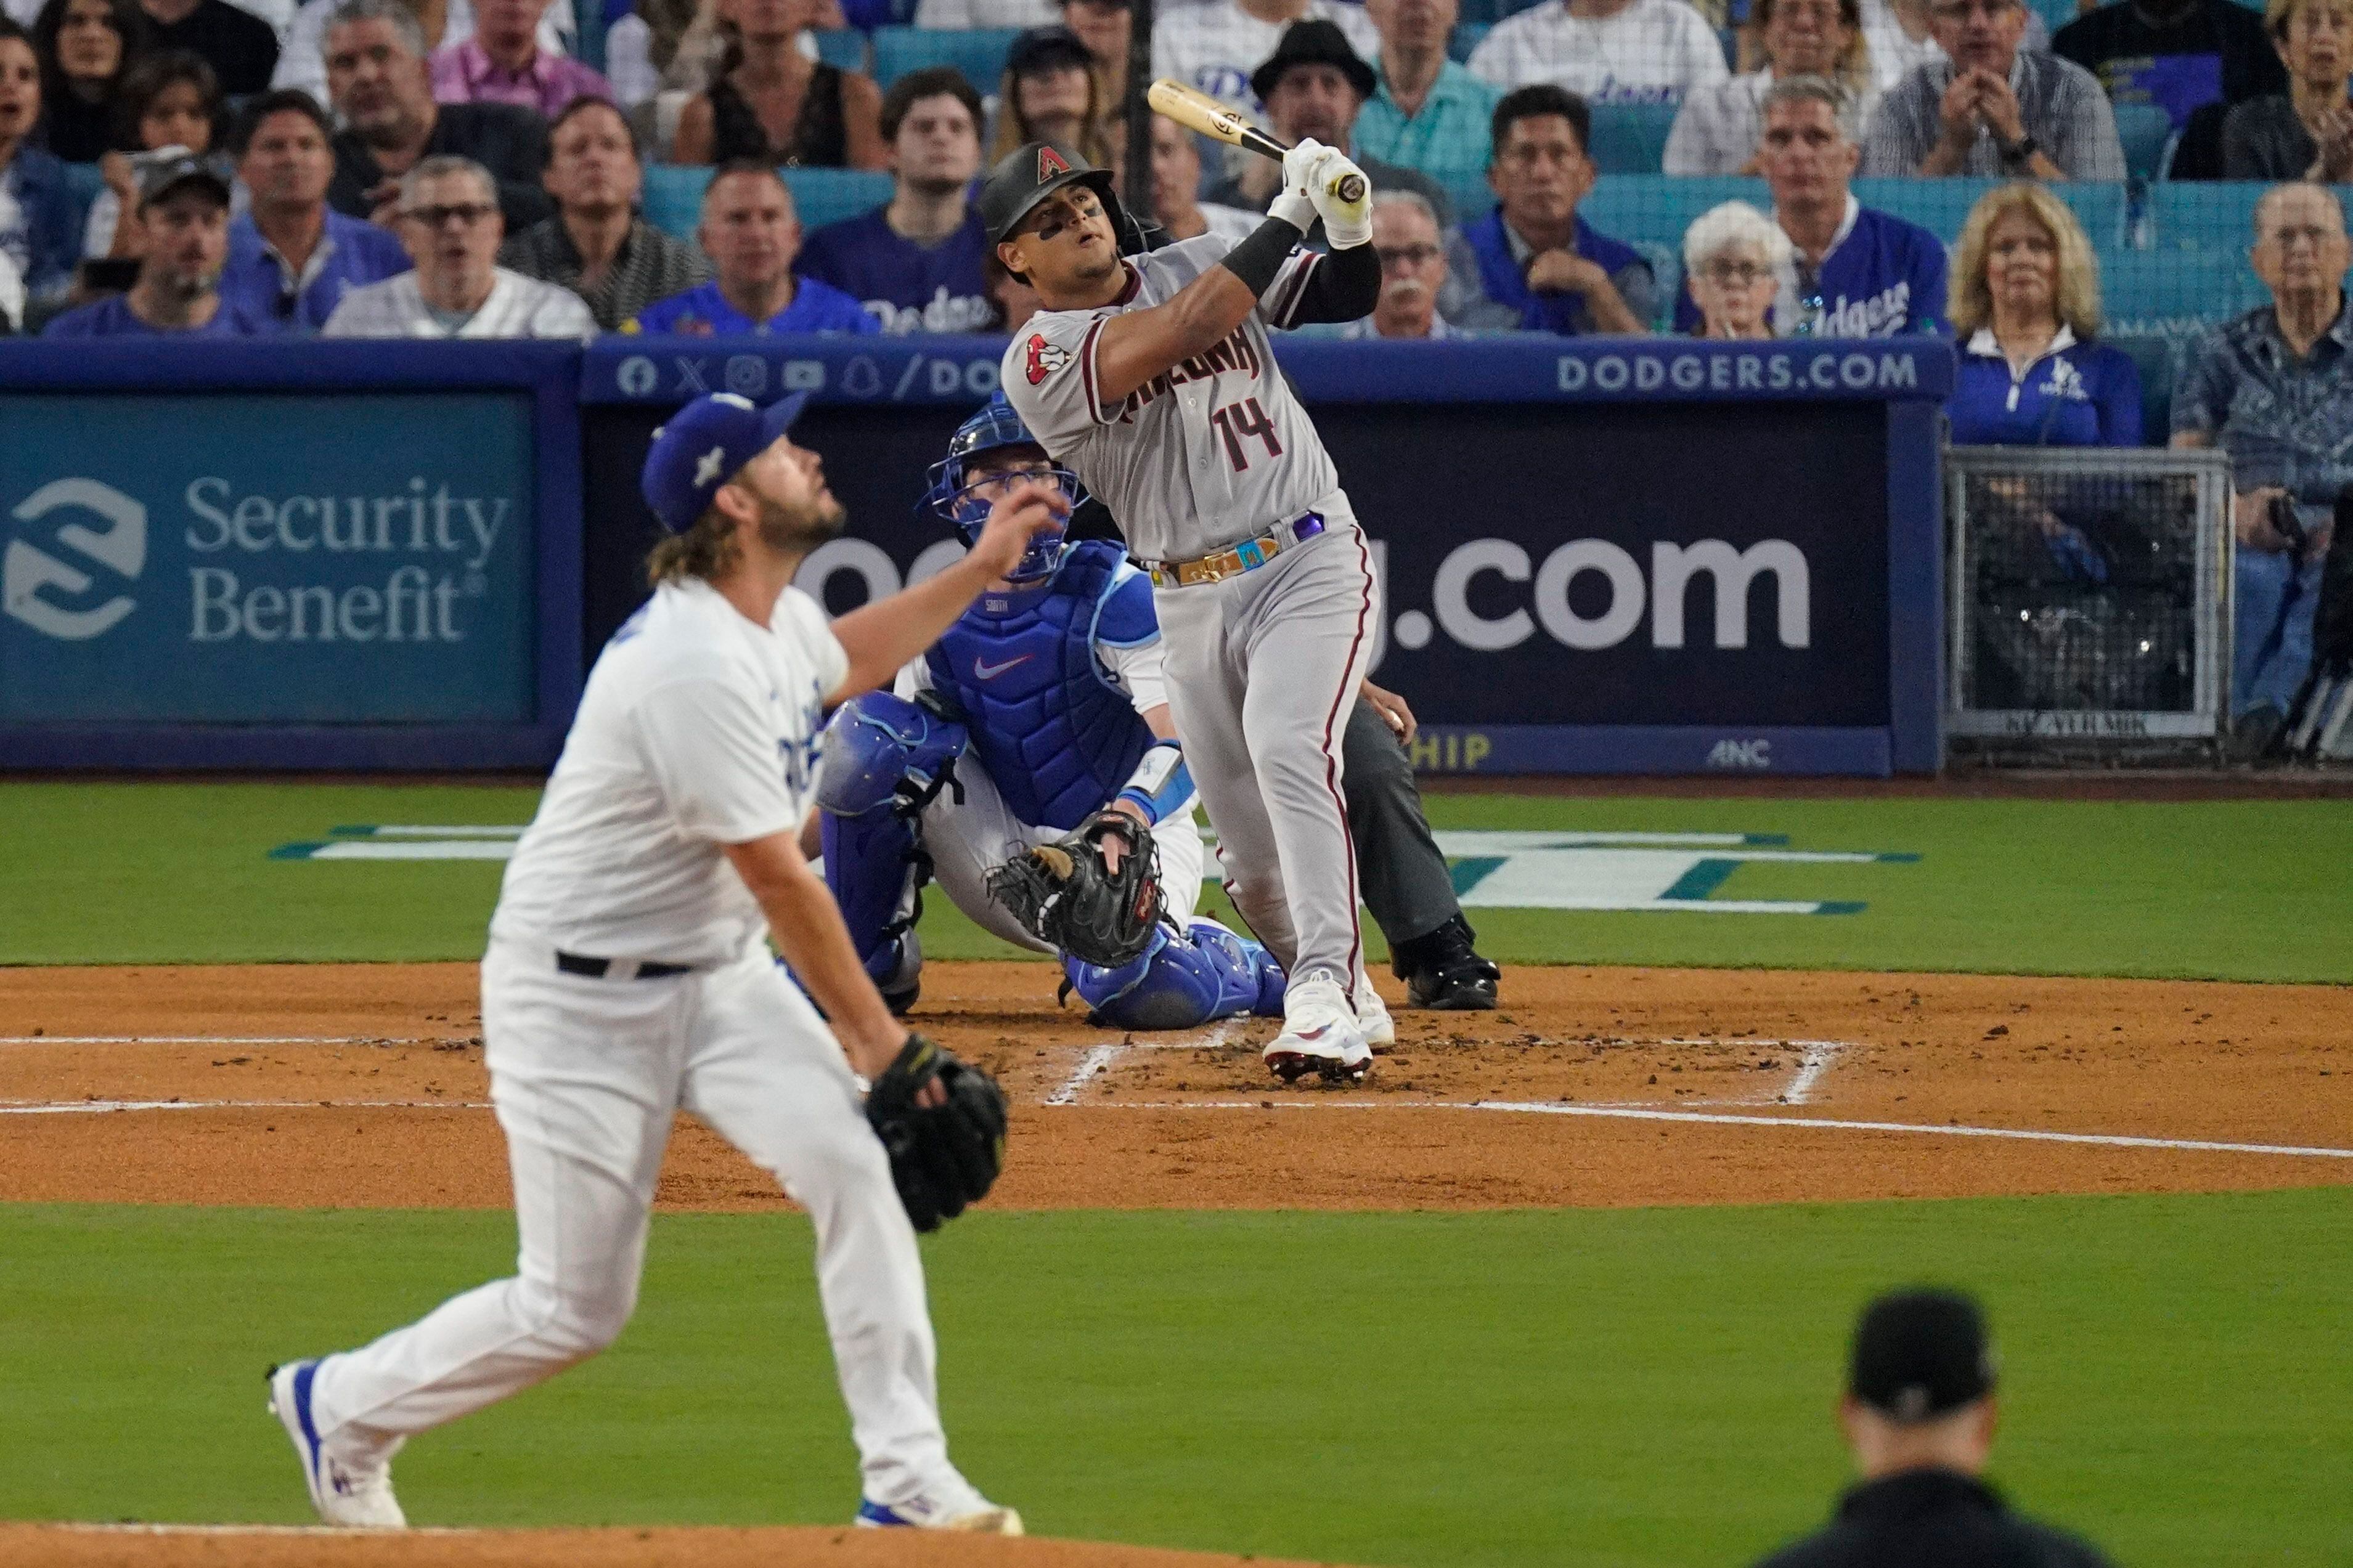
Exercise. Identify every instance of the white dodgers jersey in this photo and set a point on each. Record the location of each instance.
(698, 729)
(1214, 452)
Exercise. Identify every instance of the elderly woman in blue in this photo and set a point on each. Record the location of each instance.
(2025, 309)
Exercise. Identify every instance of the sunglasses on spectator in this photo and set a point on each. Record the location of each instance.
(468, 213)
(1406, 255)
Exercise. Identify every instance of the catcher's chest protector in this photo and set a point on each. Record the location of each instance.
(1058, 738)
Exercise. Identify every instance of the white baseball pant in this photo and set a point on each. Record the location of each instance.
(1262, 670)
(587, 1076)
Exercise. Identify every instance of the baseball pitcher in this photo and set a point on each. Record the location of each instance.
(627, 979)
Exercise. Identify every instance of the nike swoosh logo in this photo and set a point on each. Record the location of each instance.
(987, 671)
(1315, 1034)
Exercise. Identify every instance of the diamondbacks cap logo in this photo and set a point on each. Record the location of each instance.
(1049, 164)
(1045, 359)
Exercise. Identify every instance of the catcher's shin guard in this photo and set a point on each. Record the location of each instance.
(1183, 980)
(876, 870)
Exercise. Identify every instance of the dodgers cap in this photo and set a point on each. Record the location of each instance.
(703, 446)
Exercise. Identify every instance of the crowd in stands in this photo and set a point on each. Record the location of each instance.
(428, 168)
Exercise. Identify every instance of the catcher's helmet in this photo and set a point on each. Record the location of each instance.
(1036, 170)
(954, 497)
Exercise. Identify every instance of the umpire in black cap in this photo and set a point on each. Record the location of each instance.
(1919, 1415)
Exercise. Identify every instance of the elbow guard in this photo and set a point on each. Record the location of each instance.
(1161, 784)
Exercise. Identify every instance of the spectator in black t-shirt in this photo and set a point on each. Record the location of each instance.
(2305, 131)
(85, 45)
(2179, 55)
(383, 89)
(240, 47)
(1919, 1416)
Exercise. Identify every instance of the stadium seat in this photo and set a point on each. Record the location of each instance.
(1630, 138)
(673, 198)
(2056, 14)
(1943, 205)
(2146, 131)
(83, 182)
(2159, 356)
(2175, 291)
(978, 53)
(844, 49)
(2205, 214)
(1465, 38)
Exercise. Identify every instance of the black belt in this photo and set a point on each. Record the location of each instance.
(597, 968)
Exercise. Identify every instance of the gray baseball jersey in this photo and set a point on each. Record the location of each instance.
(1216, 451)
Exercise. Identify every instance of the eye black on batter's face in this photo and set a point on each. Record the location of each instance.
(1068, 236)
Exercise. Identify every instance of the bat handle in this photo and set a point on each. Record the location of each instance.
(1348, 188)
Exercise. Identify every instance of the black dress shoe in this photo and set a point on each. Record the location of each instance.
(1444, 972)
(2256, 732)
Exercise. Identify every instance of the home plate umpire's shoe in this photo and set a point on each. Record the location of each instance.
(1442, 971)
(356, 1496)
(1320, 1033)
(955, 1506)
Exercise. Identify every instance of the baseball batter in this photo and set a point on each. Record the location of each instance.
(627, 979)
(1152, 378)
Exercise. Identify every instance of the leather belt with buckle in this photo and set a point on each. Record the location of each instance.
(1250, 554)
(618, 968)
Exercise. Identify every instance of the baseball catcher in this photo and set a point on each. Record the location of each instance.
(1027, 764)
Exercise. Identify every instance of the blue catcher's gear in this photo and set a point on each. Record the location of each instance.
(954, 497)
(1183, 980)
(1058, 737)
(876, 742)
(886, 759)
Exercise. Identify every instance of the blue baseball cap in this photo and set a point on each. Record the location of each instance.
(703, 446)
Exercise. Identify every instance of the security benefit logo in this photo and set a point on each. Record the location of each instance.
(78, 547)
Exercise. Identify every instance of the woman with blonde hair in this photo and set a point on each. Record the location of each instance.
(769, 100)
(2305, 132)
(1737, 262)
(2026, 311)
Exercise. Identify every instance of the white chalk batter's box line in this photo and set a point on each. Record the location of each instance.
(1514, 1108)
(1814, 1059)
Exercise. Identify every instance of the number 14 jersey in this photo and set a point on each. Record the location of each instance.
(1213, 452)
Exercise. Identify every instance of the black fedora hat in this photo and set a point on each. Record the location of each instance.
(1314, 42)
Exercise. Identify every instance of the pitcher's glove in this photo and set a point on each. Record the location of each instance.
(945, 1156)
(1065, 896)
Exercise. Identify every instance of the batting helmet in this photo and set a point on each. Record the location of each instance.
(1036, 170)
(954, 497)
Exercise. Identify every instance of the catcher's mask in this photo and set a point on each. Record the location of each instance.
(961, 499)
(1036, 170)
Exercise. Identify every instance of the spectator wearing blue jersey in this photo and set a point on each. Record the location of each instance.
(2274, 388)
(1857, 272)
(2026, 312)
(918, 263)
(750, 234)
(292, 257)
(184, 212)
(1533, 262)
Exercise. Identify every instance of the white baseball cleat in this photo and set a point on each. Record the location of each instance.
(1320, 1033)
(358, 1497)
(1372, 1019)
(955, 1506)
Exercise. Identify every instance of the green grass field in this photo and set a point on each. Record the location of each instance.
(1568, 1387)
(1501, 1390)
(2236, 891)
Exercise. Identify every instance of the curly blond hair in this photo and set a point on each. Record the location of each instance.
(1970, 305)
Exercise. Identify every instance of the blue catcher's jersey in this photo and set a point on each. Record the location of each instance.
(1058, 736)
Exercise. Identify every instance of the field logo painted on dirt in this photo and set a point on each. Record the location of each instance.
(1670, 872)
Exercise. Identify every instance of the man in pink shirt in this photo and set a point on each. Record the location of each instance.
(502, 63)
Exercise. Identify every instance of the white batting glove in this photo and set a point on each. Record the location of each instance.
(1346, 224)
(1292, 203)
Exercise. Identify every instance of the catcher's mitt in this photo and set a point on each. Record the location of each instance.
(942, 1156)
(1064, 894)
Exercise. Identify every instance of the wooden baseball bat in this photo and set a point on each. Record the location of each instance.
(1197, 110)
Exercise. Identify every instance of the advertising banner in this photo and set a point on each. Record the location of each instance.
(266, 558)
